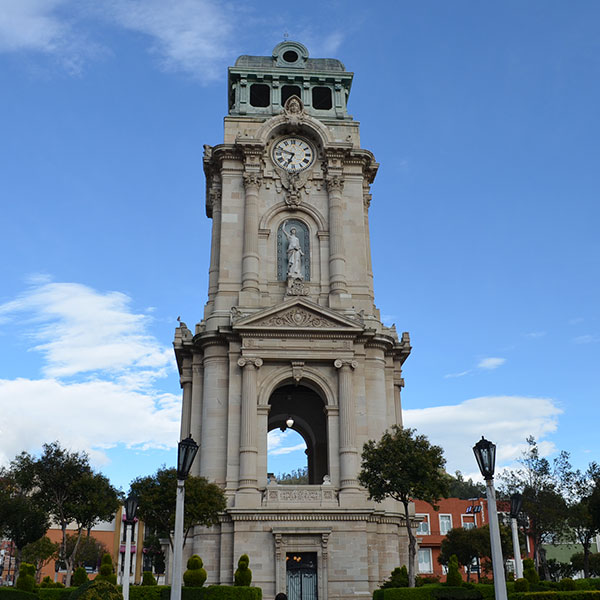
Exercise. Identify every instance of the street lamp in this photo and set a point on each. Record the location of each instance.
(186, 452)
(131, 505)
(485, 453)
(516, 501)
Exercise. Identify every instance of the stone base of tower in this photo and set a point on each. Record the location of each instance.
(349, 551)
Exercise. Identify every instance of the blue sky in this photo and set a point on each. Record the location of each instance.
(484, 220)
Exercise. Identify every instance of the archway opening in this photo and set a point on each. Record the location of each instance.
(305, 407)
(286, 456)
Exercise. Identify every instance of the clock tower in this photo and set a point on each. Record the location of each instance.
(291, 337)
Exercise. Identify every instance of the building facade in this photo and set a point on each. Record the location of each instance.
(290, 329)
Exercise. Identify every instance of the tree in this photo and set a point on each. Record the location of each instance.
(459, 487)
(203, 502)
(21, 519)
(581, 508)
(89, 550)
(40, 553)
(593, 563)
(542, 484)
(296, 477)
(63, 484)
(403, 466)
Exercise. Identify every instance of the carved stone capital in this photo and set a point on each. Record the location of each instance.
(214, 198)
(339, 363)
(335, 183)
(253, 362)
(252, 180)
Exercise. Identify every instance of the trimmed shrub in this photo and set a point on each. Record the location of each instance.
(453, 578)
(26, 578)
(211, 592)
(521, 585)
(455, 593)
(150, 592)
(583, 595)
(486, 590)
(107, 571)
(54, 593)
(148, 578)
(426, 580)
(529, 572)
(421, 593)
(398, 578)
(100, 589)
(195, 576)
(80, 576)
(243, 575)
(566, 585)
(9, 593)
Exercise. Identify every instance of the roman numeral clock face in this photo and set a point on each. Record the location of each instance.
(293, 154)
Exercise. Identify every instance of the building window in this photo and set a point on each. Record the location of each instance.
(423, 528)
(425, 562)
(260, 95)
(445, 524)
(321, 98)
(288, 91)
(469, 525)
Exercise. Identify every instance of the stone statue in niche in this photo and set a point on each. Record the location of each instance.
(293, 261)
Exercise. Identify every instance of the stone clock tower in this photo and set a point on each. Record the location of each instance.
(290, 330)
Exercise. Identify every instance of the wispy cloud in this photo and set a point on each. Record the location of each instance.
(100, 368)
(506, 420)
(533, 335)
(461, 374)
(490, 363)
(278, 442)
(586, 339)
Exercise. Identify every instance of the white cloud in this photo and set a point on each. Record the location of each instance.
(99, 374)
(585, 339)
(490, 363)
(277, 440)
(535, 334)
(461, 374)
(506, 420)
(187, 35)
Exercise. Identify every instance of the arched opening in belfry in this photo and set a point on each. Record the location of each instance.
(305, 407)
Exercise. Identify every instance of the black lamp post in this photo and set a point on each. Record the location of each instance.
(131, 505)
(516, 501)
(485, 454)
(186, 452)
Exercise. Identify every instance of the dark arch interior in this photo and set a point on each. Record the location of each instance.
(307, 409)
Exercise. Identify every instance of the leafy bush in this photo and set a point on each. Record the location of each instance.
(26, 579)
(212, 592)
(566, 585)
(101, 590)
(486, 590)
(529, 571)
(453, 578)
(150, 592)
(421, 593)
(148, 578)
(243, 575)
(455, 593)
(48, 582)
(59, 592)
(8, 593)
(521, 585)
(426, 580)
(398, 579)
(79, 577)
(195, 576)
(107, 571)
(583, 595)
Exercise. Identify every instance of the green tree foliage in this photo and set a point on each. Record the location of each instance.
(453, 577)
(521, 585)
(79, 576)
(107, 571)
(22, 520)
(296, 477)
(149, 579)
(543, 485)
(203, 502)
(529, 572)
(398, 579)
(243, 575)
(459, 487)
(154, 551)
(87, 551)
(100, 589)
(40, 553)
(593, 561)
(63, 484)
(404, 466)
(195, 576)
(26, 578)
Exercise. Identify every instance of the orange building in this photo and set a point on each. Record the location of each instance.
(434, 525)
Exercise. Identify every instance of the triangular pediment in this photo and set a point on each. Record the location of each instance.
(297, 314)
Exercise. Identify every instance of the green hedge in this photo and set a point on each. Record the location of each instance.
(211, 592)
(53, 593)
(420, 593)
(149, 592)
(9, 593)
(455, 593)
(581, 595)
(486, 589)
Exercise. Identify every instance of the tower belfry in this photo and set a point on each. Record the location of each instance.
(290, 328)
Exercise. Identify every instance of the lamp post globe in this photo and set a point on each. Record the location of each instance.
(485, 454)
(186, 452)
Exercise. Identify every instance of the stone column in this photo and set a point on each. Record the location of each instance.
(248, 446)
(185, 380)
(366, 204)
(398, 385)
(196, 409)
(250, 258)
(347, 404)
(337, 259)
(213, 271)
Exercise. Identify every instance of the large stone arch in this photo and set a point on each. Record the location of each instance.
(307, 126)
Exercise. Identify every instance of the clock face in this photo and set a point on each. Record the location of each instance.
(293, 154)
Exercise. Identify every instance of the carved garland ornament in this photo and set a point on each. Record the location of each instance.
(297, 317)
